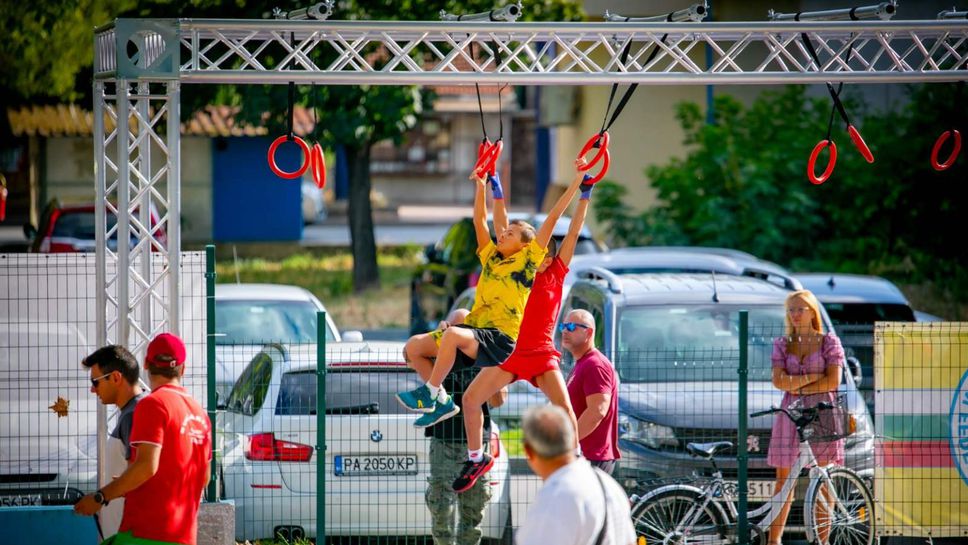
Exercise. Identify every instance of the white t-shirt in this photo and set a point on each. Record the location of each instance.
(570, 507)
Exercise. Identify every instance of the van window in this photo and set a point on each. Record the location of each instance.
(349, 391)
(867, 313)
(249, 392)
(688, 343)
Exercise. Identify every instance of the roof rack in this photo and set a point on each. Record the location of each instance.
(789, 283)
(598, 273)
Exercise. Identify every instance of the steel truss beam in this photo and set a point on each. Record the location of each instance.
(439, 53)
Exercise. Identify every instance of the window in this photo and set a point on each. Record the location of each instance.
(867, 313)
(249, 392)
(680, 343)
(260, 322)
(350, 391)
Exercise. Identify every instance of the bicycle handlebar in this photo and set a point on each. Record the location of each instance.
(822, 406)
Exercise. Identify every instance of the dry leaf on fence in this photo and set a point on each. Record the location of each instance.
(60, 406)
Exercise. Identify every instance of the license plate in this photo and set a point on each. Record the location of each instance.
(755, 490)
(20, 500)
(353, 466)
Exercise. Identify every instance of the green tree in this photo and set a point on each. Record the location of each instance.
(356, 117)
(742, 184)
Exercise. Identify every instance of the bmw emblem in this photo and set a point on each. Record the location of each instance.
(376, 436)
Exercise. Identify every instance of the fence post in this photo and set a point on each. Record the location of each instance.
(210, 363)
(743, 532)
(321, 427)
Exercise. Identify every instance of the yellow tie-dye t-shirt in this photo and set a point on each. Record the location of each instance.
(504, 287)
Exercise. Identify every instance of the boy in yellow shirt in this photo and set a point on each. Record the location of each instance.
(490, 330)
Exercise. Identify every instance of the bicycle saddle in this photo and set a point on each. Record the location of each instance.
(707, 450)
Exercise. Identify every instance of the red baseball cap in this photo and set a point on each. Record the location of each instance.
(166, 350)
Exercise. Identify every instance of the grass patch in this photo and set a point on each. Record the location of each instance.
(513, 441)
(329, 276)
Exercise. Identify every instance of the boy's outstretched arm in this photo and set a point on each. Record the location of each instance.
(500, 209)
(480, 213)
(567, 249)
(548, 227)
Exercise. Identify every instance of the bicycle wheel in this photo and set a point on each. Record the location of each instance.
(841, 513)
(678, 517)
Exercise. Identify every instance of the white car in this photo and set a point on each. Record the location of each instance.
(46, 457)
(377, 462)
(249, 316)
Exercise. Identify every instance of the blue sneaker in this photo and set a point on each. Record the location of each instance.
(443, 411)
(418, 400)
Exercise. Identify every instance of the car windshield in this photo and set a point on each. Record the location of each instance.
(81, 225)
(259, 322)
(868, 313)
(692, 343)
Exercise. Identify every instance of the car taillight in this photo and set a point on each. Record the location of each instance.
(495, 445)
(59, 248)
(473, 279)
(264, 447)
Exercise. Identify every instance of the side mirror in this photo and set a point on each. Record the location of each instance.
(853, 365)
(29, 231)
(352, 336)
(430, 252)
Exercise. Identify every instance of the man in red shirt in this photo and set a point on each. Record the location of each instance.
(534, 358)
(172, 448)
(593, 389)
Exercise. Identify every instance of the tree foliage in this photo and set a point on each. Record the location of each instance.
(743, 185)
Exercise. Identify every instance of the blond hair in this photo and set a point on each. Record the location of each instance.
(811, 300)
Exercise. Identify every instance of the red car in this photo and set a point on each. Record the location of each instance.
(71, 228)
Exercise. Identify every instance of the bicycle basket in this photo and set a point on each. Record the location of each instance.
(832, 424)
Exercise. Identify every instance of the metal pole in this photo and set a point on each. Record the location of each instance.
(143, 253)
(742, 459)
(100, 265)
(509, 13)
(695, 13)
(882, 11)
(212, 494)
(173, 226)
(314, 11)
(952, 14)
(124, 221)
(321, 427)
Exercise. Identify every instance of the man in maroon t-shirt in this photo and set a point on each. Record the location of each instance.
(593, 389)
(171, 446)
(534, 358)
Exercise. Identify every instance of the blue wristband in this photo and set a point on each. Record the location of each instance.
(496, 187)
(586, 188)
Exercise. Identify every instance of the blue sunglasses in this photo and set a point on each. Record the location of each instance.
(571, 326)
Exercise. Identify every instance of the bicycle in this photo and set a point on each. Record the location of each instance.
(684, 514)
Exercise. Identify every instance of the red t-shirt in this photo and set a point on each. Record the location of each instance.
(165, 507)
(594, 374)
(538, 325)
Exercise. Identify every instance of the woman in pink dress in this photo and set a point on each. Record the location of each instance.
(807, 365)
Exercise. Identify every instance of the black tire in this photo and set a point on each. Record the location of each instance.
(656, 518)
(854, 523)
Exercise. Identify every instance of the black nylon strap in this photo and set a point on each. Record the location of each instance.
(834, 93)
(606, 122)
(601, 533)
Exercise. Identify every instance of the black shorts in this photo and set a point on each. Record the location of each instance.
(493, 345)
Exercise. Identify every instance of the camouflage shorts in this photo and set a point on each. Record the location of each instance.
(456, 517)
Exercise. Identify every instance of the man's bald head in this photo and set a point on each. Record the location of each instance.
(457, 316)
(548, 432)
(581, 316)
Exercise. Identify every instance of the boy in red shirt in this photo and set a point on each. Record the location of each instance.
(172, 446)
(535, 358)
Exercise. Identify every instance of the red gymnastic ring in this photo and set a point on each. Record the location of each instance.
(860, 144)
(602, 143)
(317, 161)
(272, 157)
(487, 156)
(606, 160)
(811, 172)
(954, 150)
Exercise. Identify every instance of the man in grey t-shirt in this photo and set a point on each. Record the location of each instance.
(114, 379)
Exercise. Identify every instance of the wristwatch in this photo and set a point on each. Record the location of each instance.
(99, 497)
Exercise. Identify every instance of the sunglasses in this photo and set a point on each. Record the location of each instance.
(94, 381)
(571, 326)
